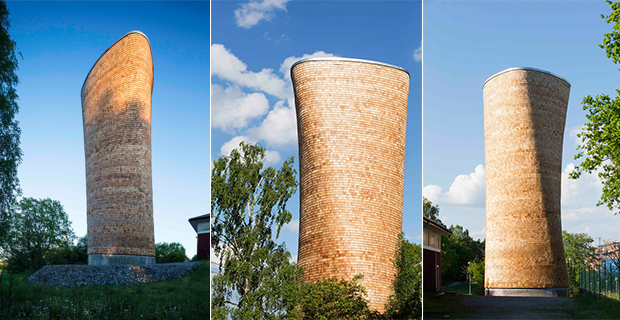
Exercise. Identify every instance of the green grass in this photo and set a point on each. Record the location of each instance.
(461, 288)
(184, 298)
(592, 307)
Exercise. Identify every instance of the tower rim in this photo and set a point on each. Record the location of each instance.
(526, 69)
(348, 60)
(112, 45)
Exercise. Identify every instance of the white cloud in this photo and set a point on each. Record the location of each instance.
(227, 66)
(285, 67)
(466, 190)
(293, 225)
(253, 12)
(231, 108)
(573, 134)
(432, 192)
(417, 54)
(583, 192)
(271, 157)
(279, 129)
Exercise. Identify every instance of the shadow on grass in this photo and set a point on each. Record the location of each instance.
(184, 298)
(594, 307)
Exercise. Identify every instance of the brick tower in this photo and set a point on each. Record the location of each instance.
(524, 118)
(116, 110)
(351, 120)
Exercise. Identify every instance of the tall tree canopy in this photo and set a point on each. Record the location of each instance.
(10, 152)
(600, 136)
(248, 206)
(38, 226)
(431, 211)
(579, 253)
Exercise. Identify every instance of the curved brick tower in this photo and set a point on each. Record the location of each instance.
(116, 110)
(524, 118)
(352, 120)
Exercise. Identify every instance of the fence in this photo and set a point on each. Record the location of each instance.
(604, 281)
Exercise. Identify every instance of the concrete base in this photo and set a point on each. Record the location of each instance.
(546, 292)
(118, 259)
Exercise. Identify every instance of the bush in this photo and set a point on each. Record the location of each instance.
(169, 252)
(477, 269)
(333, 299)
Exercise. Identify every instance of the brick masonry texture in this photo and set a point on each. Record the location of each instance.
(116, 110)
(524, 119)
(352, 120)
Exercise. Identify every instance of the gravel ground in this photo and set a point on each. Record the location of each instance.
(84, 275)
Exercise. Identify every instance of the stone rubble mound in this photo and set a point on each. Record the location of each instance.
(85, 275)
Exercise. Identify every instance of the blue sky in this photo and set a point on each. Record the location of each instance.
(465, 42)
(60, 42)
(253, 46)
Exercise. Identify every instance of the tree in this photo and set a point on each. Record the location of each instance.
(457, 251)
(579, 253)
(477, 276)
(406, 302)
(600, 136)
(248, 204)
(169, 252)
(334, 299)
(10, 152)
(431, 211)
(38, 225)
(72, 254)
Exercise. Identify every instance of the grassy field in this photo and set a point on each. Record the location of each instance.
(591, 307)
(184, 298)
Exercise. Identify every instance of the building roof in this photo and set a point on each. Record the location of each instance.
(431, 225)
(195, 220)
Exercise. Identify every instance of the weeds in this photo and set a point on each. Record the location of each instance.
(185, 298)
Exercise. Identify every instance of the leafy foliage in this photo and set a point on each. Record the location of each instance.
(457, 251)
(73, 254)
(38, 225)
(406, 303)
(10, 152)
(579, 253)
(600, 136)
(248, 204)
(431, 211)
(335, 299)
(169, 252)
(477, 276)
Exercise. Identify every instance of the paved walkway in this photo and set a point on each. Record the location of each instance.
(479, 307)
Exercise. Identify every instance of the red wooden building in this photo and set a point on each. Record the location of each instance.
(202, 226)
(431, 246)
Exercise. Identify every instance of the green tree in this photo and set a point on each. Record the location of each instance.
(457, 251)
(334, 299)
(406, 302)
(169, 252)
(248, 204)
(72, 254)
(10, 152)
(600, 136)
(38, 225)
(431, 211)
(477, 276)
(579, 252)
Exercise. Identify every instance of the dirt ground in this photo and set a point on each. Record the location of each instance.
(479, 307)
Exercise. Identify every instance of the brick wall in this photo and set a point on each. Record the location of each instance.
(524, 118)
(116, 110)
(352, 119)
